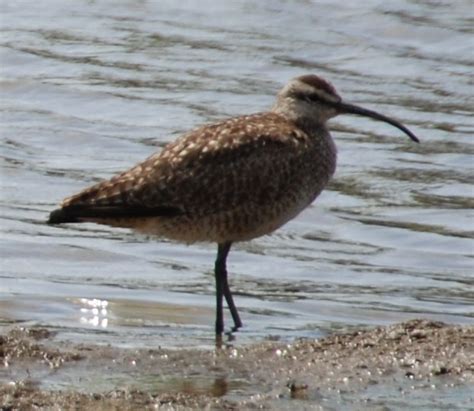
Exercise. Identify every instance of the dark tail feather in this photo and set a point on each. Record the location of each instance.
(62, 215)
(80, 213)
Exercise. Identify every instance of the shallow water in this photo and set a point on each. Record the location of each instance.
(90, 88)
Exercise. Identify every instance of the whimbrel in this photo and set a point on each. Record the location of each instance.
(230, 181)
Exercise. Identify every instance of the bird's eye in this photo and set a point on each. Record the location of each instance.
(307, 97)
(314, 98)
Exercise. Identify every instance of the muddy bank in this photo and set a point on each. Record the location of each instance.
(422, 363)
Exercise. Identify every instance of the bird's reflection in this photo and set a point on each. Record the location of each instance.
(223, 342)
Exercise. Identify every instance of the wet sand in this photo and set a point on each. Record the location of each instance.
(429, 363)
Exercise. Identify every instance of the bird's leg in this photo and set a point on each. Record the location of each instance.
(227, 292)
(219, 266)
(222, 288)
(231, 304)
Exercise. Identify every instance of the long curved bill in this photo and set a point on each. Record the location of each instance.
(353, 109)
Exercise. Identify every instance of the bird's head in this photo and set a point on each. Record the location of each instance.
(310, 99)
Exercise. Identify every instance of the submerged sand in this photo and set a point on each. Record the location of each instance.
(416, 364)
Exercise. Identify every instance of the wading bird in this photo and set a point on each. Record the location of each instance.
(230, 181)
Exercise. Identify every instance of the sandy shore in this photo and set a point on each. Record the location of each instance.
(422, 363)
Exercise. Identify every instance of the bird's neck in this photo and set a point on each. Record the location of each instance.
(311, 122)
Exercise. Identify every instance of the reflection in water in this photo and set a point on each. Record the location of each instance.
(197, 385)
(220, 387)
(94, 312)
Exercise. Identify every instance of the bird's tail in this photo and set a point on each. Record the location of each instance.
(62, 215)
(81, 213)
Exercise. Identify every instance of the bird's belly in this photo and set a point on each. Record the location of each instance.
(243, 223)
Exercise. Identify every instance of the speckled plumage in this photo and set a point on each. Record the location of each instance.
(230, 181)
